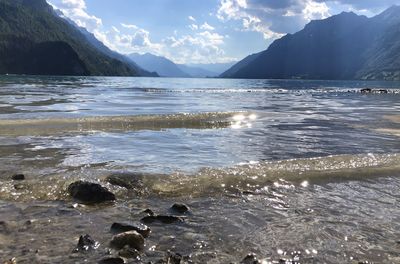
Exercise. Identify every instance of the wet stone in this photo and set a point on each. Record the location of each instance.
(112, 260)
(126, 180)
(18, 177)
(123, 227)
(90, 192)
(148, 212)
(165, 219)
(131, 238)
(19, 186)
(366, 90)
(86, 243)
(180, 208)
(250, 259)
(129, 253)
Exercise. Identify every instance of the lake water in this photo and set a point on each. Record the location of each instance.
(294, 171)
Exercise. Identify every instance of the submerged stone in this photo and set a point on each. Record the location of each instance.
(123, 227)
(148, 212)
(126, 180)
(90, 192)
(86, 243)
(180, 208)
(129, 253)
(165, 219)
(112, 260)
(18, 177)
(131, 238)
(250, 259)
(366, 90)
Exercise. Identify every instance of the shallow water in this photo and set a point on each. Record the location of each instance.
(304, 171)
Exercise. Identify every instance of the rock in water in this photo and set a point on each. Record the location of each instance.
(180, 208)
(250, 259)
(18, 177)
(122, 227)
(131, 238)
(90, 192)
(112, 260)
(165, 219)
(86, 243)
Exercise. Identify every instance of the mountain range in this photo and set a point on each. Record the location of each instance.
(344, 46)
(167, 68)
(34, 39)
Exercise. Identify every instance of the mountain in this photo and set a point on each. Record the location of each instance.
(196, 72)
(236, 67)
(163, 66)
(216, 68)
(344, 46)
(34, 39)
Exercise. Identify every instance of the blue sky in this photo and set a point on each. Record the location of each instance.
(202, 31)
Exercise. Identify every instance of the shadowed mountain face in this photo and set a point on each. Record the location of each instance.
(345, 46)
(35, 40)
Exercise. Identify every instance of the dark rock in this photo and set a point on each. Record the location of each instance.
(122, 227)
(180, 208)
(126, 180)
(174, 258)
(131, 238)
(148, 212)
(129, 253)
(250, 259)
(112, 260)
(18, 177)
(165, 219)
(86, 243)
(366, 90)
(19, 186)
(90, 192)
(383, 91)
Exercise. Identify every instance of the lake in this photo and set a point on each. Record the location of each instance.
(294, 171)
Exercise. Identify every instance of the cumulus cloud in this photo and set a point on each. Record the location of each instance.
(272, 18)
(203, 45)
(76, 10)
(206, 26)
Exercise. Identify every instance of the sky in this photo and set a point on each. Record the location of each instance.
(203, 31)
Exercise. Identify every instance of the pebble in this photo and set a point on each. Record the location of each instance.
(86, 243)
(131, 238)
(18, 177)
(123, 227)
(180, 208)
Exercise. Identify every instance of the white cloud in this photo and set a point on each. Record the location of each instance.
(203, 45)
(272, 18)
(76, 10)
(206, 26)
(194, 27)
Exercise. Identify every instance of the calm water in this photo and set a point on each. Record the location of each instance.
(292, 170)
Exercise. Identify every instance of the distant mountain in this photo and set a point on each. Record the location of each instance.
(35, 40)
(196, 72)
(216, 68)
(345, 46)
(163, 66)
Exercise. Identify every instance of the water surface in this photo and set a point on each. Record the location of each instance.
(292, 170)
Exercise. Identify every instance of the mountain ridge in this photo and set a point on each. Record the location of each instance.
(344, 46)
(26, 24)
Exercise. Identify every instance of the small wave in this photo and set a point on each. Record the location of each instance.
(256, 175)
(19, 127)
(253, 177)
